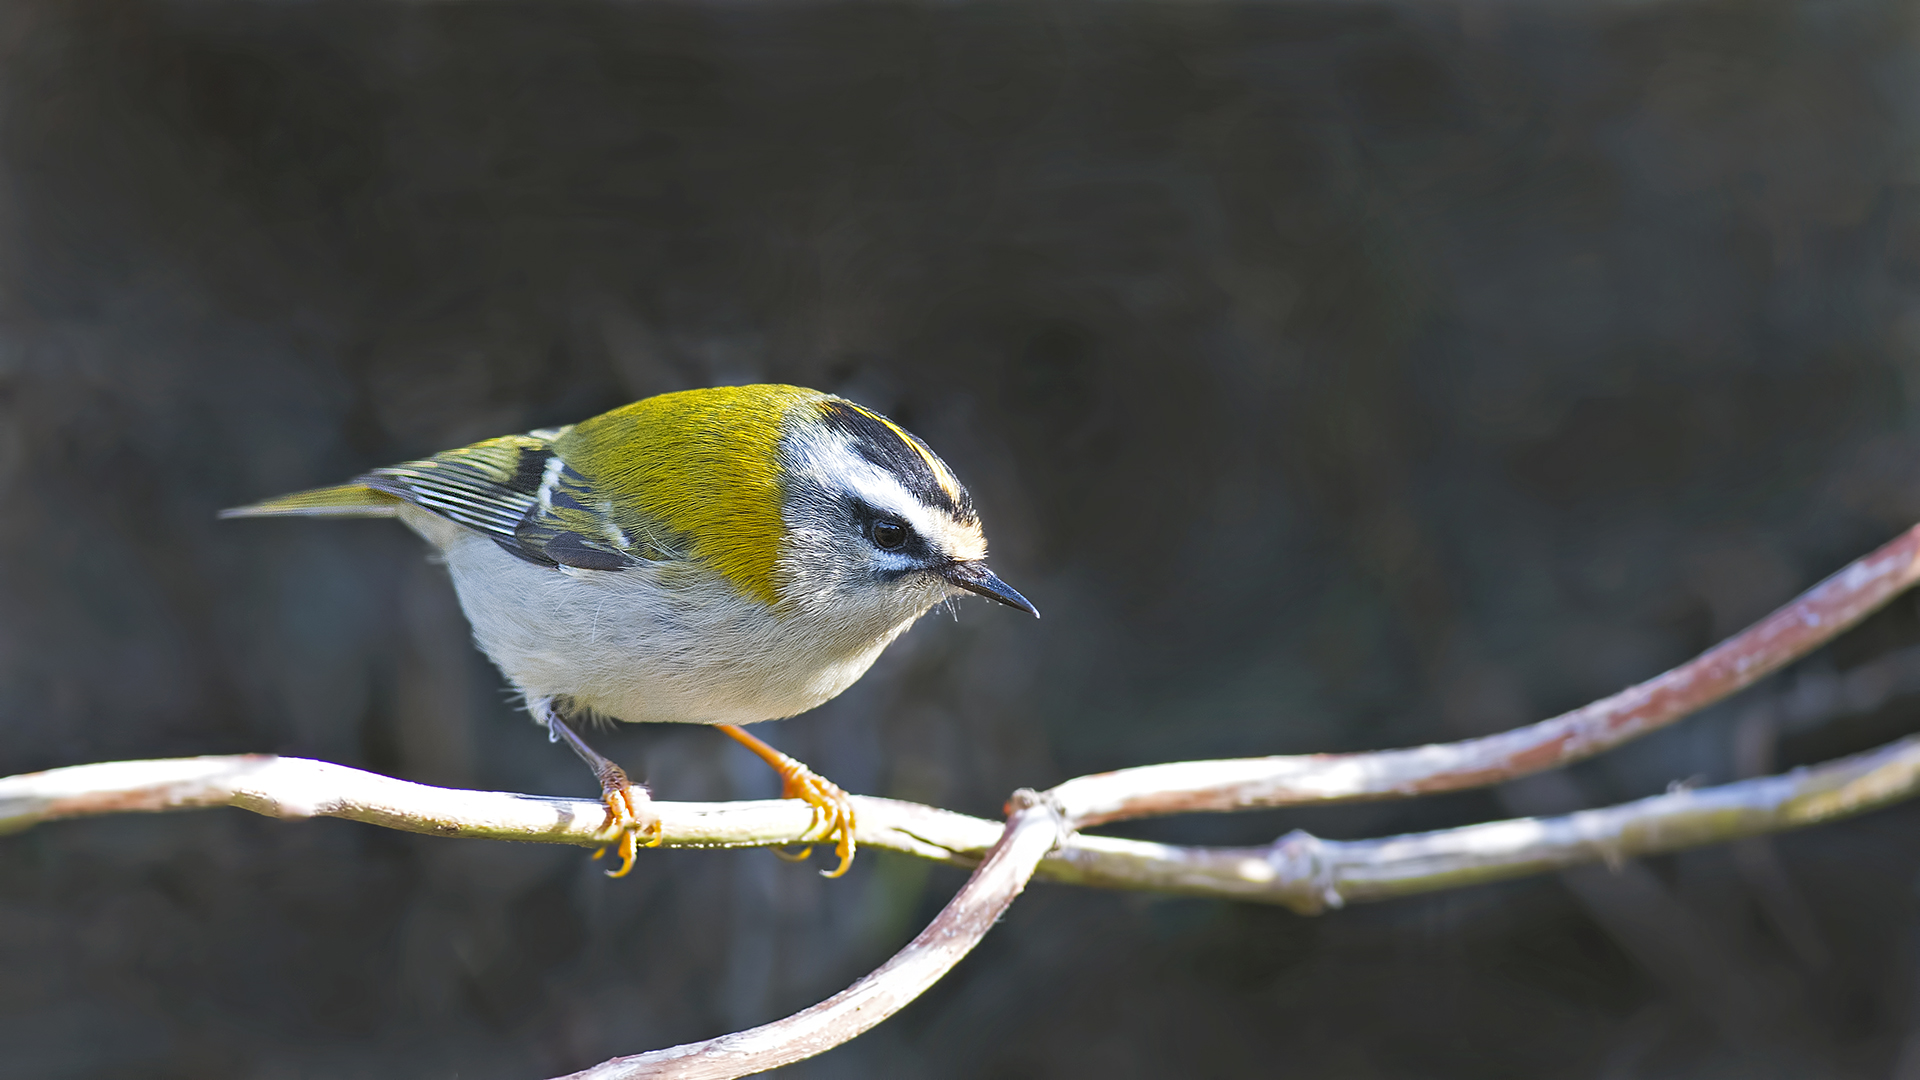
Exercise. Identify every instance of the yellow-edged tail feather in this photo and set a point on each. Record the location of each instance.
(345, 500)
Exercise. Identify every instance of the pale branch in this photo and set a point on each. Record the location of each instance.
(296, 788)
(1811, 620)
(1324, 875)
(1034, 828)
(1298, 871)
(1310, 875)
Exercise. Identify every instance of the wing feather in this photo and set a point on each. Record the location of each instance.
(517, 492)
(488, 486)
(514, 490)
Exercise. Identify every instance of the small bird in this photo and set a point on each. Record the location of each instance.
(718, 556)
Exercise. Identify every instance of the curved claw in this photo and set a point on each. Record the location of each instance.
(829, 803)
(636, 828)
(832, 809)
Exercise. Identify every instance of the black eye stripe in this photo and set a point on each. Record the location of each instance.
(876, 527)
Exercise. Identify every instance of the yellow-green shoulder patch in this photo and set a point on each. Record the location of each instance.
(704, 463)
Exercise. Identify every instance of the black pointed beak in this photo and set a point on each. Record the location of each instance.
(975, 577)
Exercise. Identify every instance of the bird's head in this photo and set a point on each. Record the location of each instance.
(869, 509)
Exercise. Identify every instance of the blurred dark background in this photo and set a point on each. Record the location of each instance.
(1333, 375)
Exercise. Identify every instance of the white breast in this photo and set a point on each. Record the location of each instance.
(658, 642)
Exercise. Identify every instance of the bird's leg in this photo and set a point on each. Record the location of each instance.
(800, 782)
(623, 797)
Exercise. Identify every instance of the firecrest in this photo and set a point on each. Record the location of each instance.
(719, 556)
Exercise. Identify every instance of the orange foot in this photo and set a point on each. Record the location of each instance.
(627, 814)
(832, 809)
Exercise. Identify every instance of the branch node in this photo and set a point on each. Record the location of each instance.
(1298, 870)
(1299, 859)
(1028, 799)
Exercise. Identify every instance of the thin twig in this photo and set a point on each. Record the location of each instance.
(297, 788)
(293, 787)
(1033, 829)
(1310, 875)
(1298, 871)
(1811, 620)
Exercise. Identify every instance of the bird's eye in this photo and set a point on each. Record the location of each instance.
(889, 535)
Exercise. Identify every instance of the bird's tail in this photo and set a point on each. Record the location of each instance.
(346, 500)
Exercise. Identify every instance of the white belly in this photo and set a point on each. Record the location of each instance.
(658, 642)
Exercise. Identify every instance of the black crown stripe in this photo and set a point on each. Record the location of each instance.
(900, 453)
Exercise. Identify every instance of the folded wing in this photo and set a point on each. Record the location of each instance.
(513, 490)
